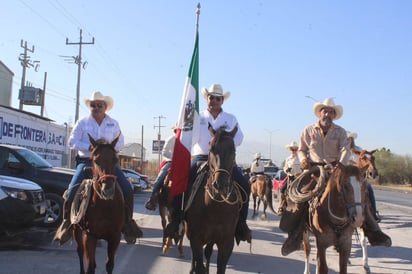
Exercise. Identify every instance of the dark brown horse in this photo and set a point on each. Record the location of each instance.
(104, 216)
(214, 212)
(261, 190)
(336, 215)
(165, 209)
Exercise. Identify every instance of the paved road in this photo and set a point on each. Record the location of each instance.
(35, 253)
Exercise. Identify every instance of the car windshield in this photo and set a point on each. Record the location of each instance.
(33, 158)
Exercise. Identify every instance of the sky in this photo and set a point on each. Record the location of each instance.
(277, 58)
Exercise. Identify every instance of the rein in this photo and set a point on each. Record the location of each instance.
(97, 180)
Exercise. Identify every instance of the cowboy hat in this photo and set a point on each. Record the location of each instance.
(98, 96)
(215, 90)
(352, 135)
(317, 107)
(293, 144)
(257, 155)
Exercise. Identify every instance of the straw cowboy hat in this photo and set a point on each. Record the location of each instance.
(293, 144)
(257, 155)
(328, 103)
(352, 135)
(98, 96)
(215, 90)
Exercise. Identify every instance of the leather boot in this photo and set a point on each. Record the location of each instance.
(64, 232)
(373, 231)
(282, 204)
(295, 238)
(243, 232)
(130, 230)
(152, 202)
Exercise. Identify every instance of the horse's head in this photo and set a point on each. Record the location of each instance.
(366, 163)
(222, 154)
(347, 187)
(104, 159)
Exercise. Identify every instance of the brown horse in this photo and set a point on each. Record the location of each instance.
(165, 209)
(214, 212)
(104, 216)
(366, 162)
(336, 215)
(261, 190)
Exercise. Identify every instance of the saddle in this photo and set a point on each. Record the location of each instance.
(199, 182)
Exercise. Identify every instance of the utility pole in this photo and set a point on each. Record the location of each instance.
(78, 61)
(160, 117)
(25, 63)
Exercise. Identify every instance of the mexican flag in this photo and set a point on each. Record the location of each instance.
(187, 126)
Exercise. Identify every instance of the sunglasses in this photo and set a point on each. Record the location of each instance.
(294, 149)
(217, 98)
(98, 105)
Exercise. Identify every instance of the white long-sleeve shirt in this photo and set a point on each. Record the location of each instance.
(167, 151)
(108, 130)
(224, 119)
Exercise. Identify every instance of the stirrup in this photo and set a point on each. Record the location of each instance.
(150, 205)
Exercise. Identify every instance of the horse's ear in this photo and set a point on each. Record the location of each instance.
(355, 151)
(373, 151)
(92, 141)
(211, 130)
(234, 131)
(114, 142)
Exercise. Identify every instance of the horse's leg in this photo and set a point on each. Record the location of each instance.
(208, 254)
(321, 265)
(197, 256)
(223, 254)
(345, 245)
(77, 233)
(180, 244)
(112, 246)
(265, 205)
(90, 243)
(254, 205)
(362, 239)
(306, 250)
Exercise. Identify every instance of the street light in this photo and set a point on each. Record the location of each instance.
(270, 141)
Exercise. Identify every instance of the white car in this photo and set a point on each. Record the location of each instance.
(22, 205)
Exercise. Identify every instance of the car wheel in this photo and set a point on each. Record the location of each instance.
(54, 210)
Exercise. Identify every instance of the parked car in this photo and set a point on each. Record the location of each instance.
(278, 181)
(23, 163)
(137, 180)
(22, 205)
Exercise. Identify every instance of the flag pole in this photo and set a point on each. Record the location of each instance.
(182, 205)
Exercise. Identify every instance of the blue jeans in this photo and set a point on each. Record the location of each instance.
(79, 176)
(372, 196)
(161, 177)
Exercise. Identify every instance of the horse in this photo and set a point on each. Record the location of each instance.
(104, 216)
(335, 215)
(366, 160)
(165, 209)
(261, 190)
(212, 216)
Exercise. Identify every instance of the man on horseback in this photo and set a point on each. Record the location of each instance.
(292, 169)
(167, 154)
(100, 126)
(319, 143)
(256, 168)
(217, 118)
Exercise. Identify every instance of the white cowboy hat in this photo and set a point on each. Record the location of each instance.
(98, 96)
(293, 144)
(257, 155)
(328, 103)
(215, 90)
(352, 135)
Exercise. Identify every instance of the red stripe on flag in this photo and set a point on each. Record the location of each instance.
(180, 170)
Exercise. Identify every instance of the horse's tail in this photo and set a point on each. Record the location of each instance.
(268, 194)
